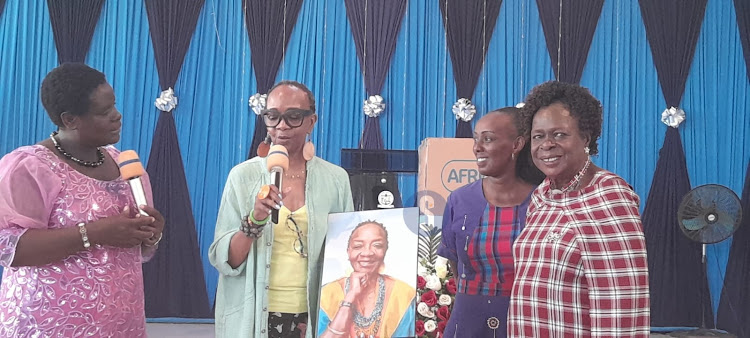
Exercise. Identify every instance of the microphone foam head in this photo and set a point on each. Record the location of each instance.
(277, 157)
(130, 165)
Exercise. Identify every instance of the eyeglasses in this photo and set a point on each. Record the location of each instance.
(293, 117)
(299, 244)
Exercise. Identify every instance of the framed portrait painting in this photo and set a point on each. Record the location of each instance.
(369, 274)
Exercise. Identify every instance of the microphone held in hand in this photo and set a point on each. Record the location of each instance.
(277, 162)
(131, 170)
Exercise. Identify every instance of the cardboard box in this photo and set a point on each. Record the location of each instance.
(445, 164)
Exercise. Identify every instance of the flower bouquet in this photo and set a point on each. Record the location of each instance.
(436, 288)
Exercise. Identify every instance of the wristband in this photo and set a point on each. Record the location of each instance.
(84, 235)
(257, 222)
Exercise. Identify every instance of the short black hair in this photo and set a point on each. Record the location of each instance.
(68, 88)
(298, 85)
(583, 106)
(513, 112)
(382, 227)
(525, 168)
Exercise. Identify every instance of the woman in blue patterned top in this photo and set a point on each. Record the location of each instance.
(480, 223)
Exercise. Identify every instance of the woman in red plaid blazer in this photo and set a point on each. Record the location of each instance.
(580, 262)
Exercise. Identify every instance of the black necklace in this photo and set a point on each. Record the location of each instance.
(62, 151)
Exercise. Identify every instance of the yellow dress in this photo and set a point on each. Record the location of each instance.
(397, 315)
(287, 292)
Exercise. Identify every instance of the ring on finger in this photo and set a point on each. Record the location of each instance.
(264, 191)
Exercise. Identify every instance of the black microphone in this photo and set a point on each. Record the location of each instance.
(131, 170)
(277, 162)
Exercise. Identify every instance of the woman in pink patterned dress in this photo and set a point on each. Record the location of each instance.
(70, 241)
(580, 262)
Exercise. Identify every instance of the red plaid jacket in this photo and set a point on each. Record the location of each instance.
(580, 263)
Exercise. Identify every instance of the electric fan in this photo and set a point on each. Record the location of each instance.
(709, 214)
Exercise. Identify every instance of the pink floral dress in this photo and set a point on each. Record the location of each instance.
(94, 293)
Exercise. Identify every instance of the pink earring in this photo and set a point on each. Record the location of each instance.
(308, 151)
(264, 146)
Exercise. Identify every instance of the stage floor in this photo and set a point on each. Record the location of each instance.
(162, 330)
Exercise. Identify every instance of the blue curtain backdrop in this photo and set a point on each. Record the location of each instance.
(215, 124)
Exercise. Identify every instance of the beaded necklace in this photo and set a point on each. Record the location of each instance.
(575, 182)
(367, 327)
(69, 156)
(300, 174)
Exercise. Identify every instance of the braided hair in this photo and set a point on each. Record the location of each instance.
(382, 227)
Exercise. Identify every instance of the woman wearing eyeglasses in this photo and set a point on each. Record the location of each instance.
(269, 274)
(367, 303)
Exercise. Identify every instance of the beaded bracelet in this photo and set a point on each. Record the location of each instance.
(250, 229)
(84, 235)
(253, 228)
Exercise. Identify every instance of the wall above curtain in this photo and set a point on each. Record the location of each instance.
(214, 124)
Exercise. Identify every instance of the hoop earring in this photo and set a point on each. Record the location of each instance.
(308, 151)
(264, 146)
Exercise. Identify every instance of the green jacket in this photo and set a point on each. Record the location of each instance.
(242, 294)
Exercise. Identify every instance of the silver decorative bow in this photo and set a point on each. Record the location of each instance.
(673, 116)
(520, 105)
(373, 106)
(464, 110)
(166, 101)
(257, 102)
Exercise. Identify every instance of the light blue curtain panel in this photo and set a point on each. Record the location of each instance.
(215, 124)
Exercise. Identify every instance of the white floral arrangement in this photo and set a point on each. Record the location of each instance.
(436, 288)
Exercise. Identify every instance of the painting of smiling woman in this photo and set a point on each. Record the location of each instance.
(369, 300)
